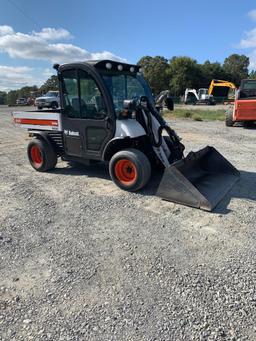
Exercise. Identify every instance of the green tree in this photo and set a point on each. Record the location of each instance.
(236, 67)
(154, 70)
(211, 71)
(3, 97)
(52, 83)
(26, 91)
(183, 72)
(252, 74)
(12, 96)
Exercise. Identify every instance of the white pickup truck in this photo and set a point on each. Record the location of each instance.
(50, 100)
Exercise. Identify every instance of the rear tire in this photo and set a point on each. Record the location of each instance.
(130, 169)
(229, 118)
(39, 108)
(41, 155)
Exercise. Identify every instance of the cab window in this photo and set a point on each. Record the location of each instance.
(82, 96)
(92, 101)
(71, 94)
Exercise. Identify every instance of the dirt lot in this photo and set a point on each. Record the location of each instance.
(83, 260)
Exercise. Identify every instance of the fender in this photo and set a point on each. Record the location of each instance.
(44, 136)
(114, 145)
(129, 127)
(128, 132)
(39, 134)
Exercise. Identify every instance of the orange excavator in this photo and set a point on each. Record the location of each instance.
(221, 88)
(244, 108)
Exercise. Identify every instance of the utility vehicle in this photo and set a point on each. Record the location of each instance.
(108, 114)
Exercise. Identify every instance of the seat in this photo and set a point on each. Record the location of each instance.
(99, 103)
(76, 107)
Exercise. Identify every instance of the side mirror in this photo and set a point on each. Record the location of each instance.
(169, 103)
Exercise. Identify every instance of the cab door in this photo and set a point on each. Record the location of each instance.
(87, 121)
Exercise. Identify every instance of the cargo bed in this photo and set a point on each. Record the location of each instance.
(38, 119)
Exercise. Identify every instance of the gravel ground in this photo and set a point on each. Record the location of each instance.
(83, 260)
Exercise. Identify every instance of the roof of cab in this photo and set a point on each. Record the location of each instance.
(101, 64)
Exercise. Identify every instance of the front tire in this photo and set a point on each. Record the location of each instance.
(41, 155)
(130, 169)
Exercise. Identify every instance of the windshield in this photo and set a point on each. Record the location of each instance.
(247, 89)
(249, 85)
(126, 86)
(51, 94)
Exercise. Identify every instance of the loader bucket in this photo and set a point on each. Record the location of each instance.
(200, 180)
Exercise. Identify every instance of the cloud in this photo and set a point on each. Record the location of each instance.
(45, 45)
(252, 14)
(38, 45)
(250, 40)
(4, 30)
(49, 33)
(252, 57)
(48, 72)
(16, 77)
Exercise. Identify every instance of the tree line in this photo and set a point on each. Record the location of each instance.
(175, 75)
(180, 73)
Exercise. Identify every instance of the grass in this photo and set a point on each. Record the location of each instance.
(197, 115)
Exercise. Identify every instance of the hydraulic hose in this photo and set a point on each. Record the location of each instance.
(163, 126)
(150, 130)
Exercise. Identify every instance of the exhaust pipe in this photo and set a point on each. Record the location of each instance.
(200, 180)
